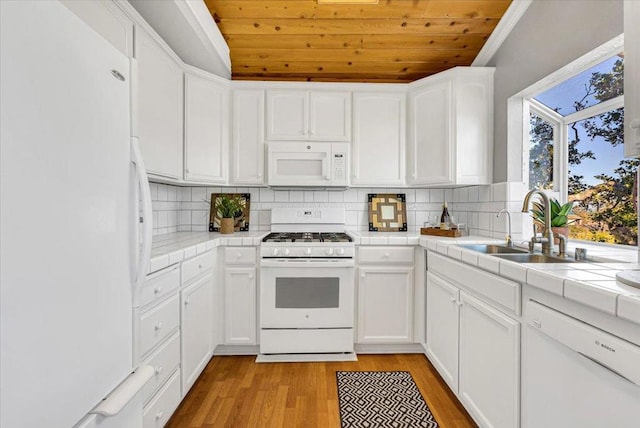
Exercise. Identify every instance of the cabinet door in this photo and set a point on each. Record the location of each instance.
(248, 137)
(206, 106)
(240, 306)
(330, 116)
(430, 135)
(197, 324)
(385, 305)
(287, 114)
(442, 328)
(631, 84)
(378, 139)
(159, 101)
(489, 364)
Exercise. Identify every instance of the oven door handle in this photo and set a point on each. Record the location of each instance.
(307, 263)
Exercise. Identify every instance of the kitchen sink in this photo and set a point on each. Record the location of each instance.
(534, 258)
(494, 249)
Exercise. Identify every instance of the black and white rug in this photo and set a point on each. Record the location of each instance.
(381, 400)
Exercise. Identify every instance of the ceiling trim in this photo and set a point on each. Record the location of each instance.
(501, 32)
(197, 14)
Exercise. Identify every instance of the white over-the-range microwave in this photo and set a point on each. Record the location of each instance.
(308, 164)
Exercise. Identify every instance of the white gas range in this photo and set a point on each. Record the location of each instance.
(307, 287)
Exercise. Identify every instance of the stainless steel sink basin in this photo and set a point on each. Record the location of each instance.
(494, 249)
(534, 258)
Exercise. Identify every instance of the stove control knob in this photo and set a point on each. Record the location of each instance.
(329, 251)
(286, 251)
(275, 251)
(307, 251)
(340, 251)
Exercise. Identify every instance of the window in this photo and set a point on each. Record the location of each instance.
(575, 149)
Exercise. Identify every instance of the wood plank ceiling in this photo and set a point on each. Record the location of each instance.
(393, 41)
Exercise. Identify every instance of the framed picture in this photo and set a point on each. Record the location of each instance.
(241, 217)
(387, 212)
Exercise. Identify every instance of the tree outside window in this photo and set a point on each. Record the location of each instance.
(588, 113)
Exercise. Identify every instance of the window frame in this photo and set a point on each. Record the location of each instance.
(560, 126)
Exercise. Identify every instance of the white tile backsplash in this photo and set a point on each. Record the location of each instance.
(187, 208)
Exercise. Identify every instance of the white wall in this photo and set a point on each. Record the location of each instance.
(551, 34)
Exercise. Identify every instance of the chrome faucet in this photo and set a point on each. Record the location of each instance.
(509, 240)
(547, 234)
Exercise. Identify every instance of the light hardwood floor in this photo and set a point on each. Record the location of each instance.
(237, 392)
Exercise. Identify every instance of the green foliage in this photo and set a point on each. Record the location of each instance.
(540, 153)
(229, 206)
(607, 211)
(559, 212)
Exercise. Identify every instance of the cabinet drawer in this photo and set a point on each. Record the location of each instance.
(196, 266)
(159, 284)
(502, 293)
(381, 255)
(158, 322)
(239, 255)
(164, 361)
(159, 410)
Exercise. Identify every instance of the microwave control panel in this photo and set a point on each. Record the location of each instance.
(339, 166)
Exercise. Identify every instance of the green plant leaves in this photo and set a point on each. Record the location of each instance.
(559, 212)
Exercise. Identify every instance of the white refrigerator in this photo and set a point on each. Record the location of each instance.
(70, 263)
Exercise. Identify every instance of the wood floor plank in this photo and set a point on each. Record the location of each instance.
(234, 391)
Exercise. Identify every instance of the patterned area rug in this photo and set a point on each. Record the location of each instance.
(381, 400)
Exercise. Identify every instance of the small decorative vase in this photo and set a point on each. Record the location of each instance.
(560, 231)
(226, 226)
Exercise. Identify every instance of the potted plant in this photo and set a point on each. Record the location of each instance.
(228, 207)
(559, 216)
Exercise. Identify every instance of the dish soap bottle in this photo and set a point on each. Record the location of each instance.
(445, 219)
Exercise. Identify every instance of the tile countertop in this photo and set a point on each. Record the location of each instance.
(589, 283)
(175, 247)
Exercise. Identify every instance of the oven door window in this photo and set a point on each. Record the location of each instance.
(301, 293)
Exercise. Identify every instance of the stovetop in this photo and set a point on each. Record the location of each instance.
(312, 237)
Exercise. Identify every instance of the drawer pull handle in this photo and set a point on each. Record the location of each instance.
(200, 266)
(159, 415)
(157, 290)
(187, 301)
(453, 300)
(159, 370)
(158, 326)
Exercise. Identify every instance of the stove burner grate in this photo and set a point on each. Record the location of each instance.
(307, 237)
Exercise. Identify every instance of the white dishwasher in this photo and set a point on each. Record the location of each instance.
(576, 375)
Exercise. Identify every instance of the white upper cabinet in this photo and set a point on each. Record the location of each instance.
(247, 150)
(159, 105)
(631, 82)
(378, 138)
(451, 128)
(308, 115)
(206, 127)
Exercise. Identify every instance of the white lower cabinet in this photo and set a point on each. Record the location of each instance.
(385, 295)
(197, 326)
(475, 348)
(177, 323)
(240, 289)
(158, 411)
(442, 328)
(240, 306)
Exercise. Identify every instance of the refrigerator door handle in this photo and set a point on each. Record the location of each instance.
(120, 397)
(146, 220)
